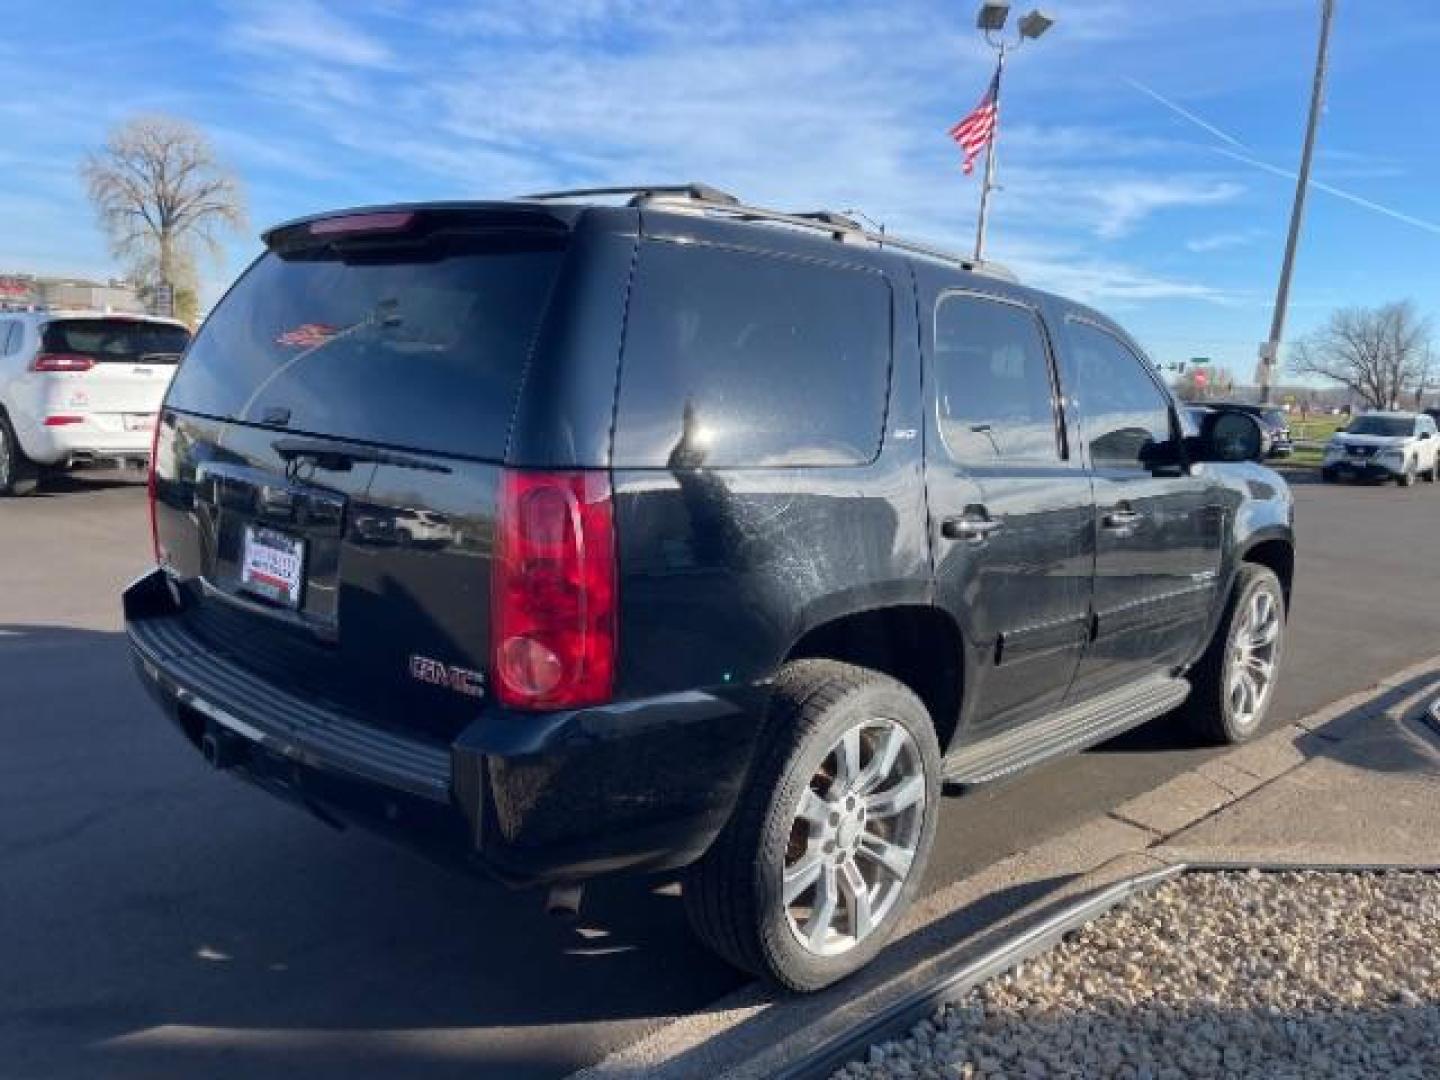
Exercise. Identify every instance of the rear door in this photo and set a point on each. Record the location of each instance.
(1010, 505)
(119, 371)
(1159, 525)
(328, 466)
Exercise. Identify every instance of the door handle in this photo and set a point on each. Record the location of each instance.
(969, 527)
(1121, 519)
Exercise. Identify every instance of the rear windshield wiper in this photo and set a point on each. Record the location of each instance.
(342, 456)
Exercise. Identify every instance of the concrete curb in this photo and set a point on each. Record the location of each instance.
(756, 1033)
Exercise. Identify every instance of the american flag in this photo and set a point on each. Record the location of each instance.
(975, 131)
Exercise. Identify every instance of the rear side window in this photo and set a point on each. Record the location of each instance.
(418, 344)
(118, 341)
(740, 359)
(1126, 416)
(992, 376)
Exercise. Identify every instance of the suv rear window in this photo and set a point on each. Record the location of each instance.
(420, 345)
(118, 341)
(735, 358)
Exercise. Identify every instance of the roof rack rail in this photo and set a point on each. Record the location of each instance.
(703, 197)
(839, 226)
(694, 190)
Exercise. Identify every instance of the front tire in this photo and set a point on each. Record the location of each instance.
(18, 474)
(829, 840)
(1406, 478)
(1234, 683)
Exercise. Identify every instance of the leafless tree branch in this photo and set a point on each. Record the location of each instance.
(159, 192)
(1380, 354)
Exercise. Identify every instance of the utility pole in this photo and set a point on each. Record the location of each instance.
(1270, 350)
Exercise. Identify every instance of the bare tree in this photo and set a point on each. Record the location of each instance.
(1378, 353)
(160, 193)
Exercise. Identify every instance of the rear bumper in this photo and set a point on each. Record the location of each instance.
(644, 785)
(88, 440)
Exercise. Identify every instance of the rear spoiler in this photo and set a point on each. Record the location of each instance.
(417, 221)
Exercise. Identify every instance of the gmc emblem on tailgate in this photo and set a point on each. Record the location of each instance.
(461, 680)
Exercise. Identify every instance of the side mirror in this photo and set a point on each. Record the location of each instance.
(1424, 435)
(1228, 436)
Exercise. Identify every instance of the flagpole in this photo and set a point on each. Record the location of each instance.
(988, 182)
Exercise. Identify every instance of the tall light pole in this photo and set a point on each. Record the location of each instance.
(1270, 350)
(990, 20)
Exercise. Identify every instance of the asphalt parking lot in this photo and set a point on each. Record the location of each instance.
(162, 921)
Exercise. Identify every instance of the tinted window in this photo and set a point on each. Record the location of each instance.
(10, 336)
(120, 341)
(733, 358)
(1127, 417)
(415, 345)
(992, 375)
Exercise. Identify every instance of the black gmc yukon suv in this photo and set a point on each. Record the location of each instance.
(561, 537)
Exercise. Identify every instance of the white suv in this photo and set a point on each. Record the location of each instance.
(80, 386)
(1385, 446)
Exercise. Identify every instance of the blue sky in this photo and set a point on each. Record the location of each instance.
(1109, 194)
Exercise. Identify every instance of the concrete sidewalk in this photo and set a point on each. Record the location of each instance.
(1357, 782)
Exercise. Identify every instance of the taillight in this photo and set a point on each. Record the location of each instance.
(63, 421)
(61, 361)
(553, 590)
(150, 491)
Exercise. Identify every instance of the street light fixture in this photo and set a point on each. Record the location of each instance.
(1035, 24)
(992, 16)
(990, 20)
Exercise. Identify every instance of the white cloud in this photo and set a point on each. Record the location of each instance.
(306, 28)
(1222, 241)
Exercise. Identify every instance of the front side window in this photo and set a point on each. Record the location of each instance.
(993, 383)
(1126, 416)
(738, 359)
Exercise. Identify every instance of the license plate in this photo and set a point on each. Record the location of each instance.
(139, 421)
(273, 565)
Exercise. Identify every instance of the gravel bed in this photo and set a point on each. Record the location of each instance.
(1232, 974)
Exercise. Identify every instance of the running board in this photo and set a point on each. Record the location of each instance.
(1071, 730)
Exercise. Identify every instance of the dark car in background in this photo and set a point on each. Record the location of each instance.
(560, 539)
(1274, 420)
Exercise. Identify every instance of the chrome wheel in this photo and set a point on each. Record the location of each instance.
(1254, 650)
(854, 837)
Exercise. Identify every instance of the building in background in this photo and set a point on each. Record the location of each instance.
(24, 290)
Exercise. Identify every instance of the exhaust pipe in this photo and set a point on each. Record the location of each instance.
(563, 901)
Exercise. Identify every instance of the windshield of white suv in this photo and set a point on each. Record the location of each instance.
(1381, 425)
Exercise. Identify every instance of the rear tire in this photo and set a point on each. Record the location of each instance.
(828, 842)
(18, 474)
(1328, 476)
(1234, 682)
